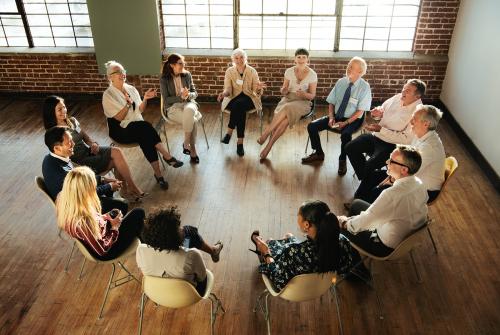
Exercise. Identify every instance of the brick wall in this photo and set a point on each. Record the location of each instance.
(78, 73)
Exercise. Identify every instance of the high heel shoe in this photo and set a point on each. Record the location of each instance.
(226, 139)
(174, 162)
(162, 182)
(195, 160)
(185, 151)
(256, 251)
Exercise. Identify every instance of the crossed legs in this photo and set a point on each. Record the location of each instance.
(273, 132)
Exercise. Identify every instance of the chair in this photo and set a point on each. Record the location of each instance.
(405, 247)
(310, 116)
(164, 120)
(300, 288)
(259, 112)
(178, 293)
(40, 183)
(112, 283)
(451, 164)
(131, 145)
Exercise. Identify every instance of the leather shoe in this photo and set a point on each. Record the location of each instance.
(239, 150)
(342, 167)
(226, 139)
(314, 157)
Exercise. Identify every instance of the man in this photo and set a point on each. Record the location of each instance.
(423, 126)
(57, 164)
(349, 98)
(401, 209)
(393, 128)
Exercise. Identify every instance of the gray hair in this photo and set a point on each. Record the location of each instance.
(240, 52)
(431, 114)
(411, 157)
(360, 61)
(110, 65)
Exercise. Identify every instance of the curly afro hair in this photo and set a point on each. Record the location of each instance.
(161, 229)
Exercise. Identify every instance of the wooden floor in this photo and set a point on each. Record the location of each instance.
(227, 197)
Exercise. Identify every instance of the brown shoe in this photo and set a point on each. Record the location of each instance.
(342, 167)
(314, 157)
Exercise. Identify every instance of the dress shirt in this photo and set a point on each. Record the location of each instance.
(398, 211)
(294, 84)
(395, 121)
(431, 171)
(361, 96)
(184, 263)
(113, 101)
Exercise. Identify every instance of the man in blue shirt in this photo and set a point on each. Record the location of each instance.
(348, 100)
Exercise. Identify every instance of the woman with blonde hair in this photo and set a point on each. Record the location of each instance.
(79, 215)
(242, 92)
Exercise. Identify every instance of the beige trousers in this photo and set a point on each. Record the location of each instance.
(187, 114)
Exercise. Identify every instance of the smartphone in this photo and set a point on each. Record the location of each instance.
(114, 213)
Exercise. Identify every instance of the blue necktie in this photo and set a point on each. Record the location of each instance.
(343, 105)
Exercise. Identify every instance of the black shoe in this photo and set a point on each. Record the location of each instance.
(195, 160)
(226, 139)
(162, 182)
(174, 162)
(239, 150)
(185, 151)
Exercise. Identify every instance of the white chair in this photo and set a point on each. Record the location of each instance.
(300, 288)
(165, 120)
(178, 293)
(259, 112)
(451, 165)
(112, 283)
(40, 183)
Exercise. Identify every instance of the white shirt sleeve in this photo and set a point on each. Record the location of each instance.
(195, 265)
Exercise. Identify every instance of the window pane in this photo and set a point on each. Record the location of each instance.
(346, 44)
(404, 21)
(405, 11)
(197, 8)
(14, 31)
(351, 32)
(400, 45)
(65, 42)
(3, 42)
(35, 9)
(354, 10)
(274, 6)
(58, 9)
(78, 8)
(83, 31)
(17, 41)
(375, 45)
(250, 43)
(174, 9)
(81, 20)
(8, 6)
(85, 42)
(324, 7)
(378, 21)
(60, 20)
(198, 32)
(41, 32)
(317, 44)
(250, 7)
(377, 33)
(353, 21)
(199, 43)
(174, 20)
(222, 43)
(43, 42)
(221, 9)
(300, 7)
(379, 10)
(177, 31)
(62, 31)
(172, 42)
(402, 33)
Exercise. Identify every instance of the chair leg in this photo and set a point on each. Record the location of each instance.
(107, 290)
(432, 240)
(261, 116)
(307, 144)
(69, 257)
(221, 122)
(337, 303)
(267, 315)
(81, 269)
(141, 312)
(165, 133)
(205, 133)
(327, 135)
(419, 279)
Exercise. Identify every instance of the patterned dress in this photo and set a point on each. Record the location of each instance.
(293, 257)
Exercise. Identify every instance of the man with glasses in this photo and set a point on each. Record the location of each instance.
(380, 227)
(423, 126)
(393, 128)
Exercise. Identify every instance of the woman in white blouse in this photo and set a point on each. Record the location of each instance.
(123, 107)
(298, 90)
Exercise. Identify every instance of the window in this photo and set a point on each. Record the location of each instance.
(47, 23)
(364, 25)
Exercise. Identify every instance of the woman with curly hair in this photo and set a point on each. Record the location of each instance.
(173, 251)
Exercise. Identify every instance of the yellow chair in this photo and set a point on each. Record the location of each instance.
(164, 120)
(451, 165)
(112, 283)
(300, 288)
(40, 183)
(178, 293)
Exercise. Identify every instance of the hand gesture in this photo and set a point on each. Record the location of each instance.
(94, 148)
(184, 93)
(115, 185)
(261, 85)
(117, 221)
(377, 112)
(221, 96)
(373, 127)
(151, 93)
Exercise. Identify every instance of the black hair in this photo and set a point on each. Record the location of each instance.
(161, 229)
(54, 136)
(167, 70)
(301, 51)
(318, 213)
(49, 111)
(411, 157)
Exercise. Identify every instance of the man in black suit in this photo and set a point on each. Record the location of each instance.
(57, 164)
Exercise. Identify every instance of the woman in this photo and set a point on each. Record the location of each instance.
(242, 92)
(88, 152)
(123, 107)
(167, 251)
(179, 94)
(324, 249)
(78, 209)
(298, 90)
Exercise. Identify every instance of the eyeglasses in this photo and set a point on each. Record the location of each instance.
(119, 72)
(397, 163)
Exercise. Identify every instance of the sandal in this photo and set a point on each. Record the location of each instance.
(194, 160)
(216, 255)
(174, 162)
(256, 251)
(185, 151)
(162, 182)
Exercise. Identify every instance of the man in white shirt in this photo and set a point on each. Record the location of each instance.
(400, 210)
(393, 128)
(423, 125)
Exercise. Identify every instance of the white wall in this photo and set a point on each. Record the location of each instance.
(471, 89)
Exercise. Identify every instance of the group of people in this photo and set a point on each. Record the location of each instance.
(399, 161)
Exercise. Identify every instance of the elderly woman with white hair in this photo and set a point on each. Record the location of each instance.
(123, 107)
(242, 92)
